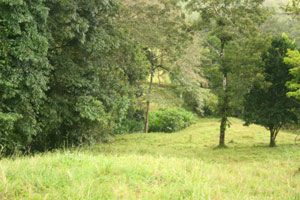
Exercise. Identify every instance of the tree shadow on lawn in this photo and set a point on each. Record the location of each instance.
(257, 152)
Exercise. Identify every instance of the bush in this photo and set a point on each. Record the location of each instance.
(170, 120)
(133, 126)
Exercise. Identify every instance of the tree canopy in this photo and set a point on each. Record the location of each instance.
(267, 103)
(68, 73)
(226, 22)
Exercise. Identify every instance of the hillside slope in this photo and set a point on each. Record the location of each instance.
(183, 165)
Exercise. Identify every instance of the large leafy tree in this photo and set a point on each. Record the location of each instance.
(79, 33)
(266, 103)
(226, 22)
(24, 71)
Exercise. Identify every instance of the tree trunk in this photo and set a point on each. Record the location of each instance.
(225, 100)
(222, 131)
(148, 101)
(272, 138)
(273, 134)
(224, 113)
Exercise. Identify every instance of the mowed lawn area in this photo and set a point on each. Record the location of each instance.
(182, 165)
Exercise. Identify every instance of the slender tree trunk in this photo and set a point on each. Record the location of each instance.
(222, 132)
(148, 101)
(273, 134)
(272, 138)
(224, 113)
(225, 99)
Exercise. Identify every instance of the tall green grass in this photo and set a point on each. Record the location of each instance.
(182, 165)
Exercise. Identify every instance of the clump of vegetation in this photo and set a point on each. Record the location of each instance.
(170, 120)
(267, 103)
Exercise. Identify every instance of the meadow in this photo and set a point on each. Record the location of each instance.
(181, 165)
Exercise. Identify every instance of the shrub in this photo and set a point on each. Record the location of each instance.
(133, 126)
(170, 120)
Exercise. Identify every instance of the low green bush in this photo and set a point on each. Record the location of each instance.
(170, 120)
(133, 126)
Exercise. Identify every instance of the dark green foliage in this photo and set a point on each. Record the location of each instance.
(134, 122)
(170, 120)
(102, 68)
(69, 74)
(24, 71)
(266, 103)
(133, 126)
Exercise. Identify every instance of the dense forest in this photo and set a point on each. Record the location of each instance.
(76, 72)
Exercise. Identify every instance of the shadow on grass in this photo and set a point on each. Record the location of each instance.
(211, 154)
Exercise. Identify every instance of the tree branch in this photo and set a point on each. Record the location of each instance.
(212, 47)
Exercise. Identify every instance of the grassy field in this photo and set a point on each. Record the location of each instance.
(183, 165)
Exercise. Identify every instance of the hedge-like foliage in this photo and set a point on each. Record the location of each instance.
(170, 120)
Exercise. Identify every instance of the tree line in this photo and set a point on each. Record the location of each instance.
(72, 72)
